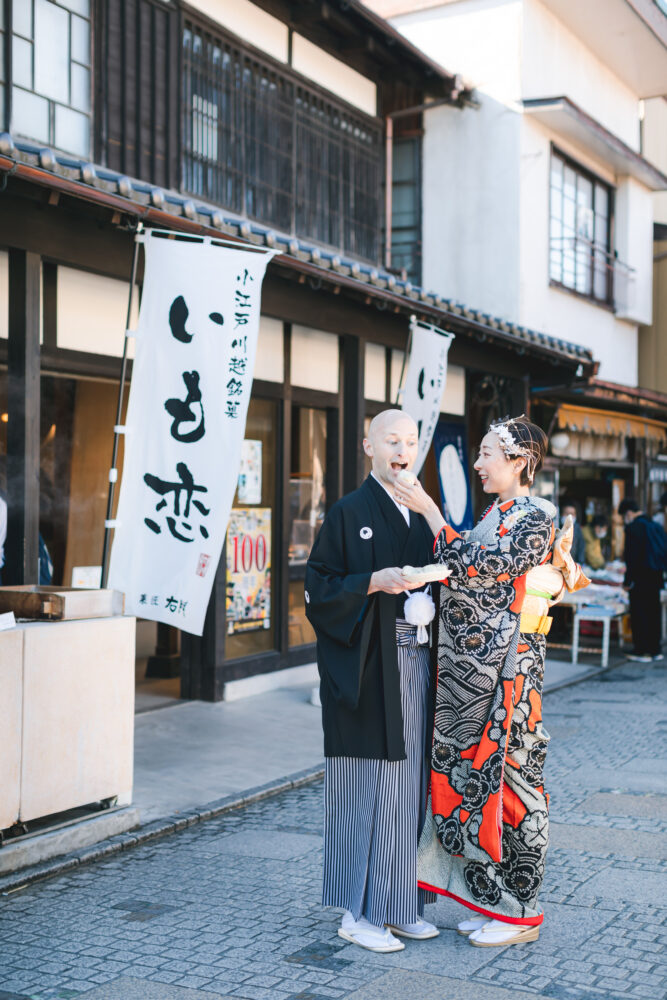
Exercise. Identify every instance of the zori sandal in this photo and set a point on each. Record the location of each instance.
(497, 934)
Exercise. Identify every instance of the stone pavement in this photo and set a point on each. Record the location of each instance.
(229, 908)
(195, 752)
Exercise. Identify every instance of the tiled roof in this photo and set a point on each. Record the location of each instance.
(141, 194)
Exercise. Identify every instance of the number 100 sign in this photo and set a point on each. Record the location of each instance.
(249, 569)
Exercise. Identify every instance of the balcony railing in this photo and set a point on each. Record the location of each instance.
(260, 142)
(583, 266)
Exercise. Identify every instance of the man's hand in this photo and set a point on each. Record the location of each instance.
(390, 581)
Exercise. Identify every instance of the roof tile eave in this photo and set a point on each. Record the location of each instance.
(142, 194)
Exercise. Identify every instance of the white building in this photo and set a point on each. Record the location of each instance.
(539, 206)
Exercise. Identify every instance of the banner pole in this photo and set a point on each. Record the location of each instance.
(113, 471)
(406, 358)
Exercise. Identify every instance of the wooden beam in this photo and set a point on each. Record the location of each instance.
(23, 428)
(353, 352)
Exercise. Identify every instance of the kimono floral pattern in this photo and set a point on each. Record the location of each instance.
(486, 837)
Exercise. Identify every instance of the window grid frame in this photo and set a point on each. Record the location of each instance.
(10, 32)
(336, 206)
(593, 249)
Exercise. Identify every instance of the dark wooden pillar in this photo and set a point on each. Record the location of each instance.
(352, 411)
(203, 658)
(166, 661)
(23, 428)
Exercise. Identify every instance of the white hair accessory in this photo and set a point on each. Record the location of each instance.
(512, 448)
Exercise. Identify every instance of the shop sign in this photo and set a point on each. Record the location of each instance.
(249, 569)
(425, 380)
(191, 381)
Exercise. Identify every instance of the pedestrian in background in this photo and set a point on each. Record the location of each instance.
(645, 563)
(594, 533)
(569, 508)
(660, 515)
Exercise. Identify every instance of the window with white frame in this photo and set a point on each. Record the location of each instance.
(581, 206)
(51, 60)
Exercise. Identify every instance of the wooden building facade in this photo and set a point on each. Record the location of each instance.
(192, 128)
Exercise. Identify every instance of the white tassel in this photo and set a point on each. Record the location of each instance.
(419, 610)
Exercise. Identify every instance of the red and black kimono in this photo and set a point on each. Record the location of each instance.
(485, 838)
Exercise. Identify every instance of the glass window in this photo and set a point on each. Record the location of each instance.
(288, 155)
(32, 112)
(251, 539)
(579, 230)
(80, 87)
(81, 40)
(51, 99)
(22, 19)
(406, 248)
(22, 61)
(72, 130)
(51, 39)
(306, 509)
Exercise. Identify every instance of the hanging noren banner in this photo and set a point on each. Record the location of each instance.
(424, 381)
(191, 381)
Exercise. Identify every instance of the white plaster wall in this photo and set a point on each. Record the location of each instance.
(551, 310)
(470, 218)
(270, 356)
(556, 63)
(314, 359)
(454, 394)
(655, 148)
(250, 23)
(333, 75)
(375, 372)
(92, 312)
(481, 39)
(634, 243)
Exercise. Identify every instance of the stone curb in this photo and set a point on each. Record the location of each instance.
(154, 830)
(580, 678)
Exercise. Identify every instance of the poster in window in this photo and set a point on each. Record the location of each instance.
(250, 472)
(249, 569)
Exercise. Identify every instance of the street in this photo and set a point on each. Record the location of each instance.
(230, 907)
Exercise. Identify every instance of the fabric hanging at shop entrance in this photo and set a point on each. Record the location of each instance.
(191, 382)
(424, 382)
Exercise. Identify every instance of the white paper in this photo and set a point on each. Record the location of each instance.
(191, 382)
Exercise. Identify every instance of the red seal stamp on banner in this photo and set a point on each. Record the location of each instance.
(202, 565)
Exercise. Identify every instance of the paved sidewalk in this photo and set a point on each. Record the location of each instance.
(230, 907)
(196, 752)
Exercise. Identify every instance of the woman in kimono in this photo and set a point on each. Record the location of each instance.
(486, 832)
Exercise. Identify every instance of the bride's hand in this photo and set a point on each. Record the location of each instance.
(414, 497)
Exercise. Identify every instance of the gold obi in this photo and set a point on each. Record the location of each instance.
(534, 623)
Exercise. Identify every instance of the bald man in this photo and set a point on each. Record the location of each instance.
(375, 681)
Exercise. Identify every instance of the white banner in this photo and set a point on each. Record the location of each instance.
(424, 382)
(191, 381)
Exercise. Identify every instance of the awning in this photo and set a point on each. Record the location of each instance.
(566, 119)
(606, 423)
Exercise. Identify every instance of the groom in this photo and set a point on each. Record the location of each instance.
(376, 687)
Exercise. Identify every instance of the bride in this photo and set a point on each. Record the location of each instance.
(487, 827)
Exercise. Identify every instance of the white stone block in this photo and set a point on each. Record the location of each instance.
(78, 720)
(11, 707)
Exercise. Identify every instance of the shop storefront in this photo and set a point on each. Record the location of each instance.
(331, 348)
(605, 446)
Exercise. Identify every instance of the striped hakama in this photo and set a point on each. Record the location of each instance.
(374, 811)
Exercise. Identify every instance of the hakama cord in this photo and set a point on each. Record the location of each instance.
(486, 832)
